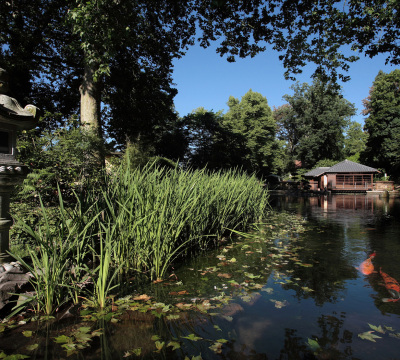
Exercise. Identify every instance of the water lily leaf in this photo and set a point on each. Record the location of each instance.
(13, 357)
(97, 332)
(82, 337)
(137, 352)
(63, 339)
(198, 357)
(173, 317)
(192, 337)
(377, 328)
(32, 347)
(257, 286)
(226, 276)
(268, 290)
(27, 333)
(252, 276)
(143, 297)
(216, 347)
(305, 288)
(246, 298)
(174, 344)
(159, 345)
(313, 344)
(368, 335)
(395, 335)
(222, 341)
(229, 318)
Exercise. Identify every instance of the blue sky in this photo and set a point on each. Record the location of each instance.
(204, 79)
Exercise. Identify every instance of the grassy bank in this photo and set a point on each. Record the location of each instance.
(142, 221)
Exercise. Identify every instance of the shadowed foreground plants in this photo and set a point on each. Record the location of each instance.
(144, 220)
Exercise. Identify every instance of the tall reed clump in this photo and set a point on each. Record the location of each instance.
(57, 259)
(143, 220)
(163, 213)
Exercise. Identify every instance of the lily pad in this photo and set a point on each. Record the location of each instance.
(368, 335)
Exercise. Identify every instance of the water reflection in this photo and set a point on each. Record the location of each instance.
(293, 282)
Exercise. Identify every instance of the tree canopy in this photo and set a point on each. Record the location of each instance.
(315, 121)
(53, 48)
(383, 123)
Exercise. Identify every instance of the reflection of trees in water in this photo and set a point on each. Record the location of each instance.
(330, 267)
(331, 339)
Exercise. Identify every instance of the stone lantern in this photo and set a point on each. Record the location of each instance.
(12, 119)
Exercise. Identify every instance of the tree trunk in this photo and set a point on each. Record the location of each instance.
(90, 91)
(90, 101)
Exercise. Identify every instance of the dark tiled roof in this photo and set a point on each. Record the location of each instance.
(317, 171)
(348, 166)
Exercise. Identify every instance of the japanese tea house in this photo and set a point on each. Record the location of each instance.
(346, 176)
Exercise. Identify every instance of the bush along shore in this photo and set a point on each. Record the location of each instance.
(141, 222)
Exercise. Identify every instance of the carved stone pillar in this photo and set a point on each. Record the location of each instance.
(12, 119)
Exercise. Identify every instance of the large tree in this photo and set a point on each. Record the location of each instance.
(56, 45)
(383, 123)
(320, 114)
(251, 120)
(354, 141)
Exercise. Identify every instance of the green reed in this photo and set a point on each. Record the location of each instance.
(143, 221)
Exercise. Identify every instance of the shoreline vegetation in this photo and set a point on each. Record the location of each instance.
(138, 225)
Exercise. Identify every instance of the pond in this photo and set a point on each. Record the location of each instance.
(292, 289)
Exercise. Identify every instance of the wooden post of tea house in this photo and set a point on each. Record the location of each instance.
(13, 118)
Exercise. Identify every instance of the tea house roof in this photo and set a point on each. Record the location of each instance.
(348, 166)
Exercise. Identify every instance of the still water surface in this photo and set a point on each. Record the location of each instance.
(290, 291)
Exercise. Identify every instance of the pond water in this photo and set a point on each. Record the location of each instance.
(289, 290)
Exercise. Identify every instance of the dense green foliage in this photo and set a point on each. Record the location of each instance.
(141, 222)
(64, 158)
(315, 122)
(354, 141)
(383, 123)
(251, 121)
(242, 138)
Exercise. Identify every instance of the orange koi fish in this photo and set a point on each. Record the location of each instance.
(367, 267)
(392, 287)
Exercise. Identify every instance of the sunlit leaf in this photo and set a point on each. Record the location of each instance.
(305, 288)
(229, 318)
(155, 338)
(377, 328)
(62, 339)
(313, 344)
(389, 328)
(198, 357)
(268, 290)
(252, 276)
(395, 335)
(216, 327)
(173, 317)
(368, 335)
(226, 276)
(192, 337)
(174, 344)
(222, 341)
(159, 345)
(232, 260)
(216, 347)
(143, 297)
(32, 347)
(27, 333)
(137, 351)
